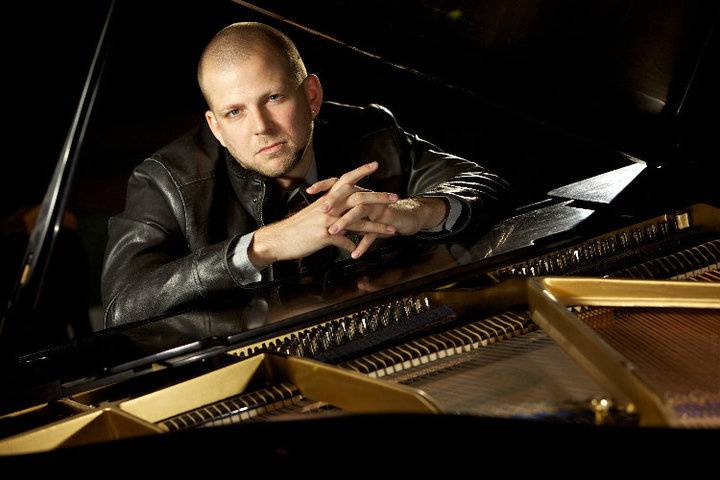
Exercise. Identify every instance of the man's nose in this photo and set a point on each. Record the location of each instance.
(262, 121)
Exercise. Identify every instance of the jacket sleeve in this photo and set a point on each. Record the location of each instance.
(430, 172)
(433, 173)
(149, 268)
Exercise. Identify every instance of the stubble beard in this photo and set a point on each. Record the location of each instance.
(287, 165)
(264, 168)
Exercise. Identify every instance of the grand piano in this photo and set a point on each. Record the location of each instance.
(592, 306)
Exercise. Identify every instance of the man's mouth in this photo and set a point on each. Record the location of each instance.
(271, 148)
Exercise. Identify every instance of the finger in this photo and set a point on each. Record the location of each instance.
(354, 176)
(351, 217)
(359, 198)
(363, 245)
(368, 226)
(321, 185)
(342, 242)
(365, 226)
(336, 201)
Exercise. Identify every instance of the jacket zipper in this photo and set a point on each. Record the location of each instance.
(260, 205)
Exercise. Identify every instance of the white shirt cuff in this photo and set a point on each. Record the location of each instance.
(249, 273)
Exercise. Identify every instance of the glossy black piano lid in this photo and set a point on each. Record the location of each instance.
(599, 69)
(545, 91)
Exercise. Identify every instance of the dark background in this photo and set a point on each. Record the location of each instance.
(545, 92)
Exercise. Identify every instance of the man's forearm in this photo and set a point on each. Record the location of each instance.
(140, 281)
(261, 249)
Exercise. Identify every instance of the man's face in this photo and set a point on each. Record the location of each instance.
(260, 114)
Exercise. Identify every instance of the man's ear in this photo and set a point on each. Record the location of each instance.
(214, 127)
(313, 93)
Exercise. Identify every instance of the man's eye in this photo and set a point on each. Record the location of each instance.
(233, 113)
(275, 97)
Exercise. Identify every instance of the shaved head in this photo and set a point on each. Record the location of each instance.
(261, 101)
(239, 42)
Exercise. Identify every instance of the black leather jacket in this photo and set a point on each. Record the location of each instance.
(188, 204)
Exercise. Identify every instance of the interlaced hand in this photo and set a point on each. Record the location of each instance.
(309, 230)
(357, 208)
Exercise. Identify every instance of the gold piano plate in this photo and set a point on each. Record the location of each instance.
(148, 414)
(99, 425)
(658, 342)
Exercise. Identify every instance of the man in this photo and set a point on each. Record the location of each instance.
(210, 213)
